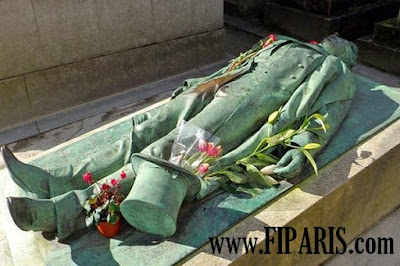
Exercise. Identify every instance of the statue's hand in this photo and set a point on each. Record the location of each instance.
(290, 164)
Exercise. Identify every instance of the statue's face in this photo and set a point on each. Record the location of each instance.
(341, 48)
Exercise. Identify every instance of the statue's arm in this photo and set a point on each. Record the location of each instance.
(293, 160)
(334, 104)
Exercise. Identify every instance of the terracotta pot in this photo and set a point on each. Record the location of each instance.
(109, 229)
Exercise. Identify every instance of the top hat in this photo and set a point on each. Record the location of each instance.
(153, 204)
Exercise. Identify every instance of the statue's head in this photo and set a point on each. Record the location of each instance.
(341, 48)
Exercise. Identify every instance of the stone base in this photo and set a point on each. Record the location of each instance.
(32, 95)
(378, 55)
(309, 26)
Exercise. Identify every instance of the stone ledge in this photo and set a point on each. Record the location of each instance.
(354, 192)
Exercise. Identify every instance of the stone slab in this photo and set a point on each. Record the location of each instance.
(40, 34)
(176, 56)
(19, 41)
(175, 19)
(208, 15)
(63, 87)
(66, 86)
(14, 102)
(72, 31)
(210, 47)
(378, 55)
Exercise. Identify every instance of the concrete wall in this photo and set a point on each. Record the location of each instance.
(55, 54)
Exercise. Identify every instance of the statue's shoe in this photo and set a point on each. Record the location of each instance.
(33, 180)
(29, 214)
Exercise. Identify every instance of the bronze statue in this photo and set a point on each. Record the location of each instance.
(298, 79)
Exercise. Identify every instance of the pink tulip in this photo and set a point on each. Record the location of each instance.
(87, 177)
(202, 146)
(215, 152)
(203, 168)
(210, 147)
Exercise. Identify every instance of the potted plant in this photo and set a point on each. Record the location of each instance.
(103, 206)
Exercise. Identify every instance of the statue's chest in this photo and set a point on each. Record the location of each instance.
(289, 66)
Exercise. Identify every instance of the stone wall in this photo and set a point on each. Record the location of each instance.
(56, 54)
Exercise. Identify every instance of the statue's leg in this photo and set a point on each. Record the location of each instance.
(41, 184)
(63, 213)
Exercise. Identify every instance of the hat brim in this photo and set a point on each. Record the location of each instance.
(194, 182)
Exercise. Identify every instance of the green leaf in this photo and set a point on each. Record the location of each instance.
(113, 208)
(257, 177)
(312, 161)
(236, 168)
(320, 120)
(236, 177)
(271, 180)
(312, 146)
(252, 160)
(266, 158)
(113, 218)
(318, 116)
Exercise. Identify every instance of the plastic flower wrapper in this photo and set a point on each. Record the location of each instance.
(195, 149)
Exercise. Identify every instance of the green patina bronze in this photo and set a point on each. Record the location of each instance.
(232, 104)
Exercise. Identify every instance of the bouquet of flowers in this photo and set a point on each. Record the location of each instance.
(195, 149)
(254, 172)
(104, 204)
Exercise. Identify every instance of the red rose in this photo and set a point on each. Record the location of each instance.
(105, 186)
